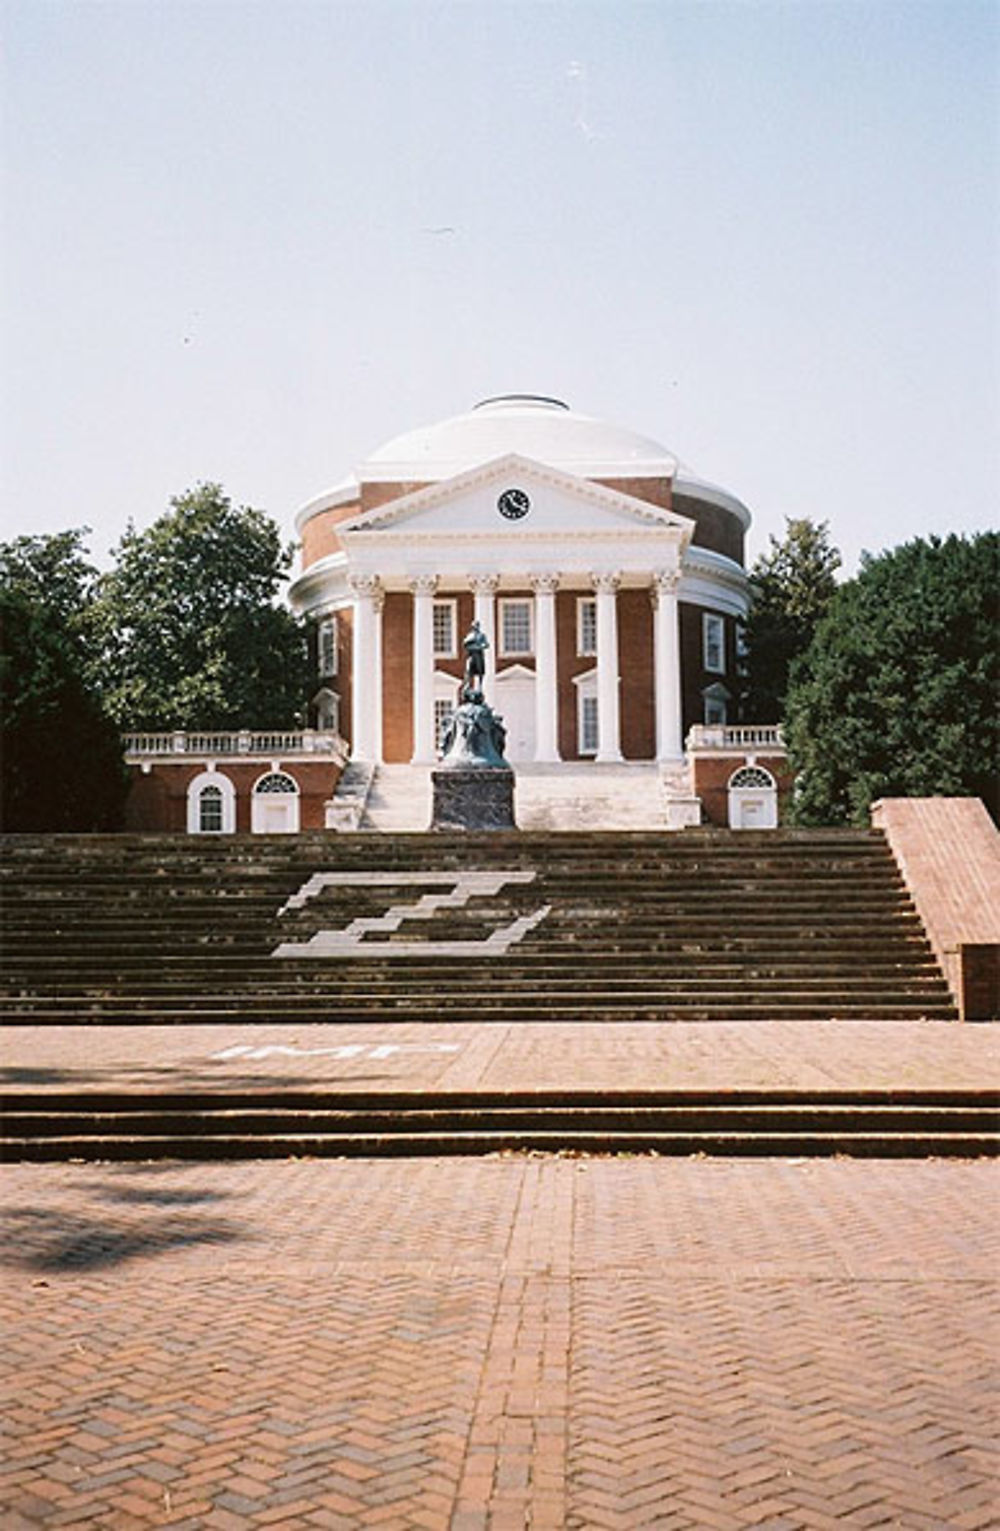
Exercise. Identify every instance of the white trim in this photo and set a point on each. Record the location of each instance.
(713, 634)
(513, 466)
(586, 691)
(503, 602)
(442, 603)
(323, 696)
(583, 652)
(211, 778)
(328, 625)
(261, 802)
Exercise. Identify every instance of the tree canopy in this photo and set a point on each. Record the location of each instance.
(62, 767)
(793, 585)
(897, 695)
(189, 632)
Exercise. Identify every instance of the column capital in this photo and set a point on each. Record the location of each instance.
(605, 581)
(484, 584)
(366, 584)
(666, 581)
(544, 584)
(424, 584)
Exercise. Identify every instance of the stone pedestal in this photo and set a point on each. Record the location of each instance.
(473, 797)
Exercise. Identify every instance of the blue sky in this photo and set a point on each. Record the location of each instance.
(251, 241)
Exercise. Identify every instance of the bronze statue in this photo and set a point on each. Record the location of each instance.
(475, 644)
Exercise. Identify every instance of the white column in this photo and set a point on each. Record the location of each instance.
(608, 728)
(546, 670)
(484, 587)
(377, 691)
(423, 588)
(366, 686)
(667, 666)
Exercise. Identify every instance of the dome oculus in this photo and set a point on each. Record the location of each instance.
(513, 504)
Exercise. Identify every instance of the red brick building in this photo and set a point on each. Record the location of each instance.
(608, 579)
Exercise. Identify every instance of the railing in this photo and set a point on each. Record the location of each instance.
(740, 736)
(271, 743)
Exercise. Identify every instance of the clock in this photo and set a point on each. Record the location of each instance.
(513, 504)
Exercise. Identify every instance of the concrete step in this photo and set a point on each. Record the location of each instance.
(914, 1124)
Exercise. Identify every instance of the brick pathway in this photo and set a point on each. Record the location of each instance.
(502, 1343)
(785, 1055)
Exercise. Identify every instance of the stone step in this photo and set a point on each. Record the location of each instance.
(805, 1007)
(61, 1126)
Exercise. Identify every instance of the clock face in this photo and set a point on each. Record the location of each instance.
(513, 504)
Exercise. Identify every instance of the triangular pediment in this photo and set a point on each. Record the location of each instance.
(513, 497)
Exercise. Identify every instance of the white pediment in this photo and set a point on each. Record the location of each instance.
(513, 499)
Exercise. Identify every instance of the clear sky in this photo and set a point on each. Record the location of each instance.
(249, 242)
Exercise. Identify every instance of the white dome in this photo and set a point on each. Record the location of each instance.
(543, 429)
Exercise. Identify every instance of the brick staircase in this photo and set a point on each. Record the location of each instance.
(700, 926)
(273, 1124)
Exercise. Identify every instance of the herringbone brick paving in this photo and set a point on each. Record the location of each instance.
(422, 1056)
(492, 1343)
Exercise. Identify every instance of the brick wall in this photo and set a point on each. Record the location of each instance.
(711, 773)
(716, 529)
(319, 535)
(157, 799)
(948, 851)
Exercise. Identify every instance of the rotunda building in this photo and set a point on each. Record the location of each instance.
(608, 579)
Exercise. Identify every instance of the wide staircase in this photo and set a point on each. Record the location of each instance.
(700, 926)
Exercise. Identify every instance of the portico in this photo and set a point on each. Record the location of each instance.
(608, 589)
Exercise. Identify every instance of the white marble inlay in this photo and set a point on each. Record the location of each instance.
(376, 1051)
(349, 940)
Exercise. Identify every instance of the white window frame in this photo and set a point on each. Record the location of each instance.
(715, 706)
(585, 603)
(442, 605)
(327, 637)
(291, 795)
(331, 700)
(713, 636)
(586, 702)
(504, 604)
(196, 787)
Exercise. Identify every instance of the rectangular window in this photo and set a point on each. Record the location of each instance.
(586, 625)
(445, 622)
(210, 811)
(516, 635)
(327, 647)
(715, 711)
(588, 724)
(713, 643)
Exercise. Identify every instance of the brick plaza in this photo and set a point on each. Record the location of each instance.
(502, 1342)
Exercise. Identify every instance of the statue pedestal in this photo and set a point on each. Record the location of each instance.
(473, 797)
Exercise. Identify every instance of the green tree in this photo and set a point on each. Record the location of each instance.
(897, 694)
(61, 760)
(793, 585)
(189, 631)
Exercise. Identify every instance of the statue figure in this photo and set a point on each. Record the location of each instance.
(475, 644)
(474, 735)
(473, 783)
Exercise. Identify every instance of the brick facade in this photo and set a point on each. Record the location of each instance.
(158, 801)
(710, 775)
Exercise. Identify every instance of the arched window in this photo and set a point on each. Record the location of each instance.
(210, 811)
(751, 776)
(211, 805)
(274, 809)
(753, 798)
